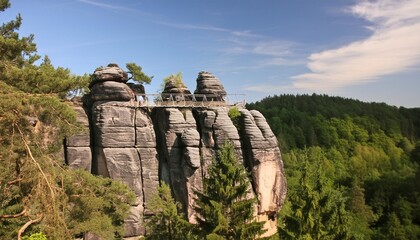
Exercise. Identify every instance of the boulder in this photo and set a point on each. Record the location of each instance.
(190, 137)
(210, 86)
(174, 91)
(192, 157)
(111, 91)
(112, 72)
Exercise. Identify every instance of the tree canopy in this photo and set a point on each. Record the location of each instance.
(38, 194)
(137, 74)
(369, 157)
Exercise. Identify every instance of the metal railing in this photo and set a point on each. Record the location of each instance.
(190, 100)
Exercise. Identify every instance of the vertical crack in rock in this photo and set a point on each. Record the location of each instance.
(141, 146)
(180, 147)
(146, 148)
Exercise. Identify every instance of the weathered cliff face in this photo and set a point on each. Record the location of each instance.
(141, 146)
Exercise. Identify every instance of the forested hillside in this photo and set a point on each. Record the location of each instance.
(352, 167)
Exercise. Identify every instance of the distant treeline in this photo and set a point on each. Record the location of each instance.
(305, 120)
(352, 167)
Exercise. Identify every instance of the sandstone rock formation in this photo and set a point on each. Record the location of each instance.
(78, 147)
(210, 86)
(141, 145)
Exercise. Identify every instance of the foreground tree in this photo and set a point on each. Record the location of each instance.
(37, 193)
(167, 223)
(224, 211)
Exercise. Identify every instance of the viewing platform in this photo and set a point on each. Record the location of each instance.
(190, 100)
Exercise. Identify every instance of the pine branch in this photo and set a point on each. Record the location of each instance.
(14, 181)
(27, 224)
(37, 164)
(24, 211)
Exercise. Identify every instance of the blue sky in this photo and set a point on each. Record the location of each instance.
(366, 50)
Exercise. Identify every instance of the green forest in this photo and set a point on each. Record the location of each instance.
(352, 167)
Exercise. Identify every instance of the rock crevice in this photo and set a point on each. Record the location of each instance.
(142, 146)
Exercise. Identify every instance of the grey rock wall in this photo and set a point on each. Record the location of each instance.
(140, 146)
(78, 147)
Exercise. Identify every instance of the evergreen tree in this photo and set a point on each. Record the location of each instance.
(37, 193)
(362, 214)
(137, 74)
(167, 223)
(224, 211)
(317, 210)
(393, 228)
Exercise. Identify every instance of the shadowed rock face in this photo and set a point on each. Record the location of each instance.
(141, 146)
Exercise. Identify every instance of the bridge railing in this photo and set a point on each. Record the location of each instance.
(190, 100)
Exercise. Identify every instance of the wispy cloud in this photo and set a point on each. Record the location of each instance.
(192, 26)
(105, 5)
(156, 19)
(264, 51)
(261, 51)
(393, 46)
(264, 88)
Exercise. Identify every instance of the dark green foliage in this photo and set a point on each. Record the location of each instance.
(224, 211)
(137, 74)
(168, 222)
(38, 193)
(317, 207)
(289, 115)
(370, 155)
(95, 204)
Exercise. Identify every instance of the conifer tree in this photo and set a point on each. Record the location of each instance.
(37, 193)
(168, 222)
(137, 74)
(224, 211)
(317, 210)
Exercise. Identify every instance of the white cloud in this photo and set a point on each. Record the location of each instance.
(394, 46)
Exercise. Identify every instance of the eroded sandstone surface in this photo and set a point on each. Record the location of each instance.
(141, 146)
